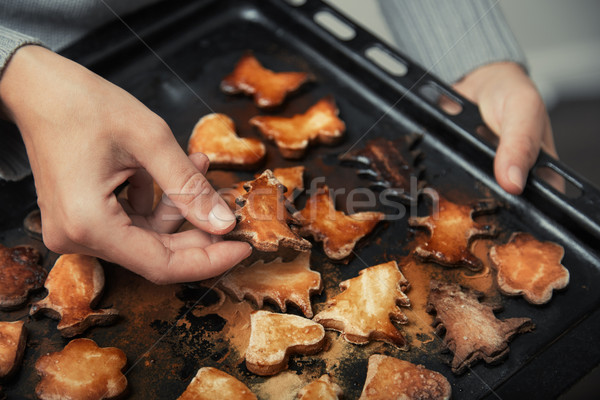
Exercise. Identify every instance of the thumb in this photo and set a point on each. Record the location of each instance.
(185, 185)
(521, 128)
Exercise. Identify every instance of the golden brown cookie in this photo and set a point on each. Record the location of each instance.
(74, 286)
(20, 274)
(13, 338)
(214, 384)
(157, 194)
(263, 220)
(320, 123)
(81, 370)
(292, 178)
(391, 378)
(320, 389)
(472, 331)
(268, 88)
(276, 281)
(529, 267)
(214, 135)
(338, 232)
(452, 231)
(33, 224)
(274, 337)
(364, 311)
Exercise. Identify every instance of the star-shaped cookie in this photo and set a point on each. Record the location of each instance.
(81, 370)
(276, 281)
(320, 389)
(214, 135)
(274, 337)
(529, 267)
(452, 231)
(268, 88)
(364, 311)
(263, 219)
(13, 338)
(320, 123)
(338, 232)
(74, 286)
(391, 378)
(472, 330)
(213, 384)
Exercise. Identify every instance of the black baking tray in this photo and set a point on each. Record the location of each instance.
(172, 55)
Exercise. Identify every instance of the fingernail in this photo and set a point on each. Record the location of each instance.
(248, 251)
(221, 217)
(516, 176)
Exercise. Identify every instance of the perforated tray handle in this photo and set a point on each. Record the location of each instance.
(584, 211)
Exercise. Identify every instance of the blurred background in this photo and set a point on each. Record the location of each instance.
(562, 42)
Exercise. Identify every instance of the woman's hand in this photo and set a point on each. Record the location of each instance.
(85, 137)
(511, 107)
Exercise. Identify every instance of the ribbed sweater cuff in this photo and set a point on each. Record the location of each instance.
(11, 41)
(450, 38)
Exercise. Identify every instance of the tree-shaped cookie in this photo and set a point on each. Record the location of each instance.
(472, 330)
(81, 370)
(452, 231)
(276, 281)
(268, 88)
(529, 267)
(292, 178)
(391, 378)
(390, 164)
(320, 123)
(263, 219)
(364, 311)
(214, 135)
(13, 338)
(320, 389)
(20, 274)
(74, 286)
(214, 384)
(274, 337)
(338, 232)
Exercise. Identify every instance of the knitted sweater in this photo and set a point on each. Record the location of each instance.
(448, 37)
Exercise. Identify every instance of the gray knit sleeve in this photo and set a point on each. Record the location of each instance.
(11, 41)
(450, 38)
(14, 164)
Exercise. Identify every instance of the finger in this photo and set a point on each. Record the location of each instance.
(166, 217)
(170, 258)
(548, 140)
(189, 239)
(183, 183)
(521, 131)
(140, 192)
(56, 240)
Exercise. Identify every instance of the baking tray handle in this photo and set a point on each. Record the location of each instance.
(580, 213)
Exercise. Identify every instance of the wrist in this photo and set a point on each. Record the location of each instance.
(15, 81)
(477, 82)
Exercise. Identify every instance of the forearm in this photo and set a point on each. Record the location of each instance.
(13, 158)
(453, 37)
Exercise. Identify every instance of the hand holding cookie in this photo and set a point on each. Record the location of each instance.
(85, 137)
